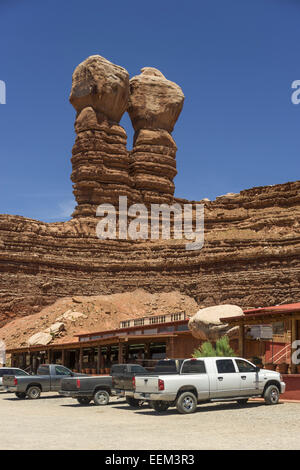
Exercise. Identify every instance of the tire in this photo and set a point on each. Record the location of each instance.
(33, 392)
(160, 406)
(101, 398)
(20, 395)
(186, 403)
(242, 401)
(84, 400)
(133, 402)
(271, 395)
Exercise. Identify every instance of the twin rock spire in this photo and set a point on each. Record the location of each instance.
(103, 168)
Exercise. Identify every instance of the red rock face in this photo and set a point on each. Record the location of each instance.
(252, 239)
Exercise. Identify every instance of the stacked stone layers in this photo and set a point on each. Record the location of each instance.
(154, 107)
(100, 163)
(100, 160)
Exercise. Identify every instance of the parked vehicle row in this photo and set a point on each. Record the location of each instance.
(209, 379)
(182, 383)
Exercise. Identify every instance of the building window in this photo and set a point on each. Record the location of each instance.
(278, 328)
(158, 319)
(139, 322)
(177, 316)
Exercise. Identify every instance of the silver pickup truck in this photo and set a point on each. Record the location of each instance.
(209, 379)
(48, 379)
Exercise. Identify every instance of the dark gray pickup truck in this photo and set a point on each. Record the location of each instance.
(123, 377)
(48, 379)
(86, 389)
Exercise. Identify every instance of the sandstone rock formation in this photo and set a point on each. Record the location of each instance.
(154, 107)
(252, 239)
(40, 338)
(206, 324)
(100, 159)
(55, 328)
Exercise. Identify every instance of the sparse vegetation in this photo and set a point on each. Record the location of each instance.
(222, 348)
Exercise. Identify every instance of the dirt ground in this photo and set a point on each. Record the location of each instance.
(53, 422)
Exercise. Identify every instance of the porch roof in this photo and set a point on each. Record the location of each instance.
(266, 315)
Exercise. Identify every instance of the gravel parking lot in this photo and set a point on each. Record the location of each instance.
(53, 422)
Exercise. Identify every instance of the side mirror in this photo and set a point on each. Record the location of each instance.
(257, 369)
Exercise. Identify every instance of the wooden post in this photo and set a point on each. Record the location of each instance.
(98, 359)
(241, 340)
(293, 338)
(80, 359)
(120, 353)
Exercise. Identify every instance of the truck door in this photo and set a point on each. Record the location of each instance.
(60, 373)
(227, 379)
(248, 377)
(200, 377)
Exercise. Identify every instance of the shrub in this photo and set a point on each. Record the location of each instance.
(222, 349)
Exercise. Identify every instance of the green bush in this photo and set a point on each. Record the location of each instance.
(222, 349)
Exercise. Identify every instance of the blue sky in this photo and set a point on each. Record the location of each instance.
(235, 61)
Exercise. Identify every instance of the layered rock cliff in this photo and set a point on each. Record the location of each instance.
(252, 239)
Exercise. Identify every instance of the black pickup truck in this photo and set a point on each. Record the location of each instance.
(123, 377)
(86, 389)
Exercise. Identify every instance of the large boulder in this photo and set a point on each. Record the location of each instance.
(102, 85)
(69, 315)
(155, 102)
(40, 338)
(55, 328)
(206, 324)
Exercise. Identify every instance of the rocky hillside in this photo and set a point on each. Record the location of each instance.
(72, 315)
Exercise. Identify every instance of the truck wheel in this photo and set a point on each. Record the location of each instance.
(133, 402)
(271, 395)
(20, 395)
(84, 400)
(159, 406)
(186, 403)
(101, 397)
(242, 401)
(34, 392)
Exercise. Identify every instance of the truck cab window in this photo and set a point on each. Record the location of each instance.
(225, 366)
(245, 366)
(137, 369)
(193, 367)
(43, 370)
(59, 370)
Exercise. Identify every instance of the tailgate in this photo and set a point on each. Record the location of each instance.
(146, 384)
(8, 381)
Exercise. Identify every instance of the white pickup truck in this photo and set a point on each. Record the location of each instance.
(209, 379)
